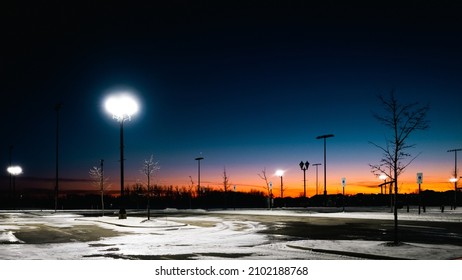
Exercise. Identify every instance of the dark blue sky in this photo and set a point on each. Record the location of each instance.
(248, 85)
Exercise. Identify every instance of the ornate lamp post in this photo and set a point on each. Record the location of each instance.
(304, 166)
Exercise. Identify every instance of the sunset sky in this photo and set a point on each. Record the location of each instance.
(247, 86)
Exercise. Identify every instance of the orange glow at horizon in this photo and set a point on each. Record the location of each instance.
(247, 179)
(293, 182)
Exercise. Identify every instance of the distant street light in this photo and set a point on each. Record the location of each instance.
(14, 171)
(198, 174)
(304, 166)
(325, 169)
(455, 175)
(384, 178)
(383, 186)
(280, 173)
(454, 180)
(122, 106)
(316, 164)
(11, 177)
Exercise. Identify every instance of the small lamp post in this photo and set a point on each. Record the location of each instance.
(122, 106)
(304, 166)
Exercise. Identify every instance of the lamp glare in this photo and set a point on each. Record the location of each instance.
(14, 170)
(121, 106)
(279, 173)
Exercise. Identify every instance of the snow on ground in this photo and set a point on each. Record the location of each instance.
(183, 236)
(431, 214)
(204, 237)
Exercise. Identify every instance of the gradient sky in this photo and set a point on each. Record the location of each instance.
(247, 86)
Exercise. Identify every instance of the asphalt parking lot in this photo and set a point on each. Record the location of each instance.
(222, 234)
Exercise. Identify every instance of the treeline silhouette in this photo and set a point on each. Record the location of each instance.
(161, 197)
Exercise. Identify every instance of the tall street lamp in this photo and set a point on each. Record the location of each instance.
(304, 166)
(122, 106)
(325, 169)
(14, 171)
(455, 175)
(57, 108)
(316, 164)
(280, 173)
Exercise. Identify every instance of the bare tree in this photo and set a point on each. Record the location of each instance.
(267, 186)
(190, 191)
(225, 186)
(225, 181)
(98, 179)
(402, 120)
(191, 186)
(149, 167)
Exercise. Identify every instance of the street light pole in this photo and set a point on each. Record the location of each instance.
(101, 182)
(282, 189)
(325, 169)
(122, 211)
(11, 176)
(57, 108)
(280, 173)
(304, 166)
(316, 164)
(198, 174)
(455, 175)
(122, 106)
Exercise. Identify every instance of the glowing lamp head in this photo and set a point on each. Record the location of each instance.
(122, 106)
(14, 170)
(383, 177)
(279, 173)
(453, 180)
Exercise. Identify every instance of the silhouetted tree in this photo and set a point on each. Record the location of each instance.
(225, 186)
(267, 186)
(148, 169)
(402, 120)
(98, 179)
(225, 181)
(190, 191)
